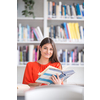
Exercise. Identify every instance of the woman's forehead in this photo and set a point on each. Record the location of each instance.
(48, 45)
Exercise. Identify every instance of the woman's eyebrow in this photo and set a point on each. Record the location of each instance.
(47, 47)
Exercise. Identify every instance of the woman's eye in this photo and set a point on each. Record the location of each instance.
(45, 48)
(51, 49)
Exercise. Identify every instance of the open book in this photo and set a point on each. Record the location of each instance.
(49, 71)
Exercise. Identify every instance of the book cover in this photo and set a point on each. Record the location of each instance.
(27, 53)
(64, 56)
(74, 12)
(24, 54)
(48, 28)
(28, 32)
(35, 33)
(68, 7)
(68, 55)
(35, 54)
(54, 33)
(65, 28)
(19, 35)
(81, 32)
(32, 34)
(31, 47)
(53, 9)
(50, 9)
(22, 31)
(60, 3)
(57, 11)
(77, 30)
(74, 5)
(49, 71)
(61, 10)
(72, 56)
(64, 10)
(69, 31)
(40, 32)
(71, 12)
(63, 13)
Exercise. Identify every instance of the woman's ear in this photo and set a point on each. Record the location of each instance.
(40, 48)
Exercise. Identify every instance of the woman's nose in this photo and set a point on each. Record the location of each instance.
(48, 51)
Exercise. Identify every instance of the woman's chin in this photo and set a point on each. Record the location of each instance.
(47, 57)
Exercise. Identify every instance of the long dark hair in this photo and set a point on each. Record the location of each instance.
(53, 58)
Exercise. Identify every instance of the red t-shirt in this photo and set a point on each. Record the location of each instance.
(33, 68)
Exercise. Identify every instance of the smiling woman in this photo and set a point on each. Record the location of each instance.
(47, 56)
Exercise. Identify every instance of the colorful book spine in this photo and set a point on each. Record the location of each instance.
(35, 54)
(32, 34)
(35, 33)
(66, 32)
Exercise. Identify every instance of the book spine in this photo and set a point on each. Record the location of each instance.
(40, 32)
(74, 5)
(19, 32)
(71, 10)
(27, 53)
(18, 56)
(74, 56)
(68, 7)
(54, 32)
(31, 47)
(35, 54)
(60, 3)
(32, 34)
(48, 9)
(24, 54)
(35, 33)
(53, 9)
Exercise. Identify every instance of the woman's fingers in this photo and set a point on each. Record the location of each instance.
(57, 76)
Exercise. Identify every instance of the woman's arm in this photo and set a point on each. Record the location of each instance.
(34, 84)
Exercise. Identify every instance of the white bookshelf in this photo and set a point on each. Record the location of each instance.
(41, 19)
(65, 19)
(37, 18)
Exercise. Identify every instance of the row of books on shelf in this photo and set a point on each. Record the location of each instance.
(69, 31)
(74, 56)
(60, 10)
(28, 33)
(30, 53)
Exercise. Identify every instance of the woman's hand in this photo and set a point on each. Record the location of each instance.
(56, 80)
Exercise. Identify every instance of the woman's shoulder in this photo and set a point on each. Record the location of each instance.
(31, 63)
(56, 64)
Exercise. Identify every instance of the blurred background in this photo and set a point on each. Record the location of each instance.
(63, 21)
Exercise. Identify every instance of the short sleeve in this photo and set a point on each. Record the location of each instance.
(27, 78)
(59, 66)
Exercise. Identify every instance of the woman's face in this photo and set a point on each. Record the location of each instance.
(46, 50)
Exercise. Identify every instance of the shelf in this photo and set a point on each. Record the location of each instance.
(28, 42)
(56, 42)
(65, 19)
(30, 18)
(64, 66)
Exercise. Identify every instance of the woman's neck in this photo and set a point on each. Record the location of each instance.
(43, 61)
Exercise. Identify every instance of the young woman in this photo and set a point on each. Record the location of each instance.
(47, 56)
